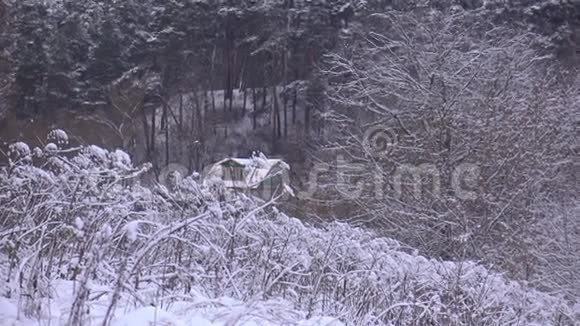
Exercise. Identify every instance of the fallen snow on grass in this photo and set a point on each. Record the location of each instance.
(197, 311)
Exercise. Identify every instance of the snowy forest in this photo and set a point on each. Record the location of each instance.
(422, 159)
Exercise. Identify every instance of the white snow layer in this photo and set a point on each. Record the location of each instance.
(200, 312)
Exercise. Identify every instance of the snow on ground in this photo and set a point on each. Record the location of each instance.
(201, 311)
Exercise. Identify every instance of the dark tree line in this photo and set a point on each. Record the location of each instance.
(122, 61)
(125, 63)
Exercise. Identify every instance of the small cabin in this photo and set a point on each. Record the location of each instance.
(258, 176)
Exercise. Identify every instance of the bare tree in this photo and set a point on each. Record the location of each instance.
(443, 103)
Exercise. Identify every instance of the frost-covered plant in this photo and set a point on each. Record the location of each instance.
(88, 220)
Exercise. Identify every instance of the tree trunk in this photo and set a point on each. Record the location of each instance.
(273, 122)
(277, 124)
(163, 118)
(225, 97)
(244, 103)
(307, 117)
(180, 112)
(264, 93)
(153, 120)
(255, 111)
(231, 99)
(211, 80)
(200, 139)
(166, 142)
(294, 100)
(285, 115)
(146, 133)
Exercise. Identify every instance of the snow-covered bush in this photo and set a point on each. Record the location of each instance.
(80, 216)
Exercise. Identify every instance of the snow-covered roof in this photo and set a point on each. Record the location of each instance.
(256, 170)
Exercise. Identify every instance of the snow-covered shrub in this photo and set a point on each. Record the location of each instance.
(90, 223)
